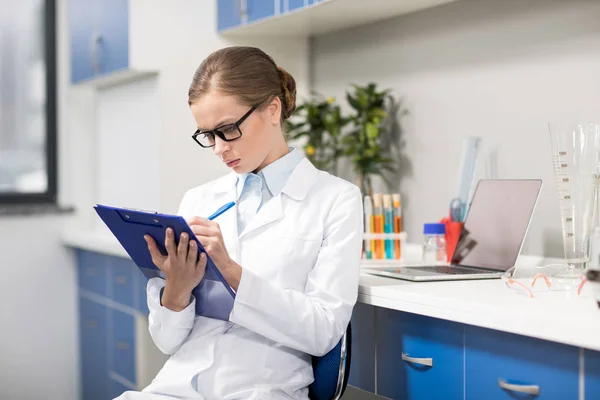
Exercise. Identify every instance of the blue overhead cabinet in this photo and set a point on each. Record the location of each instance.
(99, 32)
(235, 13)
(229, 14)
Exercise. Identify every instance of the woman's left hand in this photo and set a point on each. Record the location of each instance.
(209, 234)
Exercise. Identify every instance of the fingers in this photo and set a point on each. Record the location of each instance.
(201, 222)
(201, 264)
(170, 242)
(200, 230)
(157, 258)
(192, 255)
(182, 247)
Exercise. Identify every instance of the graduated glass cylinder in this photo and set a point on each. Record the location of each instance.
(575, 155)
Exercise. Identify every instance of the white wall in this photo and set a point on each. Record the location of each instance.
(497, 69)
(38, 311)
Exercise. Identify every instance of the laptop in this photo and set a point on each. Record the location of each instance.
(494, 231)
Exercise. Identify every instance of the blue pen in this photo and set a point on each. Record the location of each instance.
(222, 210)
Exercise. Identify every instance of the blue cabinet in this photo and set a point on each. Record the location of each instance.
(362, 367)
(92, 272)
(112, 292)
(229, 14)
(116, 389)
(291, 5)
(121, 280)
(122, 345)
(418, 357)
(260, 9)
(113, 28)
(504, 366)
(592, 374)
(99, 33)
(93, 350)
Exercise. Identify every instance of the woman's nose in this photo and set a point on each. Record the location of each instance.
(221, 146)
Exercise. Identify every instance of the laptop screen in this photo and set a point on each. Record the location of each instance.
(496, 224)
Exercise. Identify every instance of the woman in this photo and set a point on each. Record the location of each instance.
(290, 249)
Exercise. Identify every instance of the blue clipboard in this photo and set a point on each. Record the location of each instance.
(214, 296)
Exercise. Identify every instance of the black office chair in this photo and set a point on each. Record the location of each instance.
(332, 370)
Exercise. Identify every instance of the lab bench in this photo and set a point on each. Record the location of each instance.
(438, 340)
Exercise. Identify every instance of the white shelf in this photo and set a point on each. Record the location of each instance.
(329, 16)
(115, 78)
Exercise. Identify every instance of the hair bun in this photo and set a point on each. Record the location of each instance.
(288, 85)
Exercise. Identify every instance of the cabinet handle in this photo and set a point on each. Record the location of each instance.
(533, 390)
(91, 323)
(121, 280)
(122, 345)
(90, 271)
(243, 9)
(94, 44)
(428, 362)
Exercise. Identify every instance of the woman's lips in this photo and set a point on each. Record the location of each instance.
(233, 163)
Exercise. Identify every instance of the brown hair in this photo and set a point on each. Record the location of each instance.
(248, 73)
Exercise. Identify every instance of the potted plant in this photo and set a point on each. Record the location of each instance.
(320, 122)
(363, 144)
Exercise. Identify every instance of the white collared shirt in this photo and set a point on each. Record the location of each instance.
(255, 190)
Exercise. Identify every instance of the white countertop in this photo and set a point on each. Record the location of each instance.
(555, 316)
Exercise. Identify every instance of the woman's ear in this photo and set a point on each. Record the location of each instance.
(275, 111)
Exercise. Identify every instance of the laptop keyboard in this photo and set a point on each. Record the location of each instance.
(452, 270)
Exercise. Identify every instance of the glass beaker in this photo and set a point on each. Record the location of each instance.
(575, 150)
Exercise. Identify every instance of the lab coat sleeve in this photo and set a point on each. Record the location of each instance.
(312, 321)
(168, 328)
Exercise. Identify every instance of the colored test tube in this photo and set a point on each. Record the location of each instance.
(378, 218)
(388, 224)
(397, 204)
(368, 228)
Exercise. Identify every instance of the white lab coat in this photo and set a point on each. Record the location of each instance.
(300, 256)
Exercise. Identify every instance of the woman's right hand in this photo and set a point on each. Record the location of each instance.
(182, 272)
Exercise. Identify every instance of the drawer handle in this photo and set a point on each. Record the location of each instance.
(122, 345)
(121, 280)
(533, 390)
(90, 271)
(91, 323)
(428, 362)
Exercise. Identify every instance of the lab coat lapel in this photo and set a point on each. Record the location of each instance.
(270, 212)
(297, 187)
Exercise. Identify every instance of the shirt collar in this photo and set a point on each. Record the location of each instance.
(274, 175)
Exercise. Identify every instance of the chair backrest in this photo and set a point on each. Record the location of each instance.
(332, 370)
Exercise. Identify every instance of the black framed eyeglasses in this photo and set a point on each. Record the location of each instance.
(227, 132)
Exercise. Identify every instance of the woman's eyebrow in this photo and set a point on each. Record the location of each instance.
(219, 124)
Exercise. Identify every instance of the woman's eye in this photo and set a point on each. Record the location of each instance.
(208, 135)
(227, 130)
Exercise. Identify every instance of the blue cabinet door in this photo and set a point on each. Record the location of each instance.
(121, 278)
(123, 345)
(93, 350)
(228, 14)
(291, 5)
(141, 297)
(362, 367)
(117, 388)
(92, 272)
(81, 27)
(295, 4)
(499, 365)
(592, 374)
(418, 357)
(260, 9)
(113, 49)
